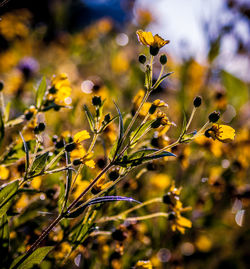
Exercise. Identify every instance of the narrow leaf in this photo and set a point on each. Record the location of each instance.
(141, 157)
(35, 258)
(26, 149)
(39, 163)
(90, 118)
(139, 132)
(7, 194)
(98, 200)
(40, 93)
(161, 79)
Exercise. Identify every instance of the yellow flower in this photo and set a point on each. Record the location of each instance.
(146, 38)
(180, 223)
(4, 173)
(223, 133)
(60, 89)
(81, 136)
(143, 264)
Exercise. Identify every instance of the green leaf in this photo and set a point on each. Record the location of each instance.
(141, 157)
(7, 112)
(7, 194)
(26, 149)
(39, 163)
(80, 232)
(4, 234)
(40, 93)
(90, 118)
(161, 79)
(35, 258)
(117, 145)
(98, 200)
(1, 129)
(17, 152)
(237, 90)
(139, 132)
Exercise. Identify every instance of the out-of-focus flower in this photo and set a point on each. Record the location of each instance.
(29, 66)
(203, 243)
(223, 133)
(15, 24)
(143, 265)
(179, 223)
(4, 172)
(60, 89)
(146, 38)
(120, 63)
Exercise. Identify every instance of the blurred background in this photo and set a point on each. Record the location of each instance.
(94, 42)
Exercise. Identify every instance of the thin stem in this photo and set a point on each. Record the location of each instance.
(54, 159)
(35, 245)
(165, 148)
(90, 186)
(136, 114)
(150, 216)
(191, 118)
(159, 77)
(203, 128)
(124, 213)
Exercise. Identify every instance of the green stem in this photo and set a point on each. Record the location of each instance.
(124, 213)
(190, 119)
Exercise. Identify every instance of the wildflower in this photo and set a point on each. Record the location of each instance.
(60, 89)
(223, 133)
(4, 173)
(143, 264)
(157, 103)
(146, 38)
(77, 150)
(81, 136)
(179, 223)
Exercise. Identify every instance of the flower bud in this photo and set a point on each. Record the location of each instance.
(96, 101)
(70, 147)
(214, 116)
(197, 101)
(142, 59)
(77, 162)
(163, 59)
(1, 85)
(41, 126)
(153, 50)
(113, 175)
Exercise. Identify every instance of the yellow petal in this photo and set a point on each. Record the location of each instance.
(146, 38)
(80, 136)
(159, 42)
(90, 163)
(226, 133)
(4, 173)
(184, 222)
